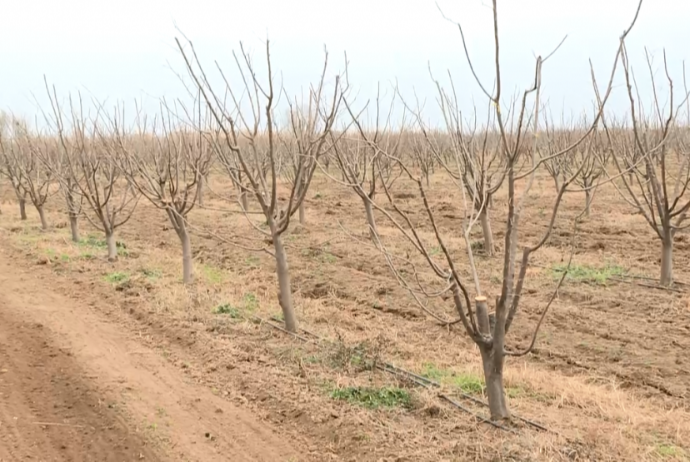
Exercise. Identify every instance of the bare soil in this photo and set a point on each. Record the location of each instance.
(610, 377)
(76, 387)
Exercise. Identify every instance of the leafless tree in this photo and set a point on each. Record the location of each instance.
(59, 162)
(166, 166)
(253, 137)
(487, 331)
(8, 167)
(21, 154)
(472, 159)
(655, 184)
(361, 164)
(93, 145)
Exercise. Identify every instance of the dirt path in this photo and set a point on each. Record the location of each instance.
(73, 387)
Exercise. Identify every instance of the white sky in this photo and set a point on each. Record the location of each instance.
(122, 50)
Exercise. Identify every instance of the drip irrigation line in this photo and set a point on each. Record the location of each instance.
(419, 380)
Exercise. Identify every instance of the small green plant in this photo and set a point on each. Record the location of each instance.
(318, 195)
(50, 252)
(212, 274)
(116, 277)
(250, 302)
(229, 310)
(122, 248)
(588, 274)
(477, 246)
(93, 241)
(670, 450)
(64, 258)
(151, 274)
(87, 256)
(374, 398)
(435, 251)
(467, 382)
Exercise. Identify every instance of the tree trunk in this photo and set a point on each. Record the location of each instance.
(187, 265)
(42, 215)
(302, 214)
(371, 221)
(667, 259)
(244, 200)
(200, 192)
(284, 289)
(112, 245)
(493, 376)
(74, 227)
(588, 201)
(486, 231)
(22, 208)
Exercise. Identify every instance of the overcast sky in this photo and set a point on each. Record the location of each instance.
(124, 50)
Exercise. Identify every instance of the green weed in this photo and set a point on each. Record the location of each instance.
(468, 382)
(229, 310)
(151, 274)
(374, 398)
(93, 241)
(116, 277)
(250, 302)
(588, 274)
(212, 274)
(670, 450)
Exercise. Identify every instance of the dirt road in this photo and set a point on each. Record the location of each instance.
(75, 386)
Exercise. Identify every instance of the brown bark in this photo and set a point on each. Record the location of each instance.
(666, 278)
(493, 376)
(486, 231)
(74, 227)
(200, 191)
(371, 221)
(284, 288)
(42, 215)
(22, 208)
(244, 200)
(302, 214)
(112, 246)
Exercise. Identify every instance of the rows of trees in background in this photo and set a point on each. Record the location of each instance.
(102, 168)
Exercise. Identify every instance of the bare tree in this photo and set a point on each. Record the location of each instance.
(167, 167)
(243, 139)
(59, 163)
(93, 145)
(655, 184)
(8, 164)
(488, 331)
(22, 153)
(361, 164)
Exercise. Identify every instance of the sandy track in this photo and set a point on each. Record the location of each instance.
(74, 387)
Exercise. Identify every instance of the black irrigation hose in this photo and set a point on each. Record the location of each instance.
(418, 380)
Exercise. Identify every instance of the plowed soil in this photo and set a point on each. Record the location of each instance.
(74, 387)
(197, 372)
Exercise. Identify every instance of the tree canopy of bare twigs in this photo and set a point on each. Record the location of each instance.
(513, 158)
(166, 164)
(652, 161)
(253, 147)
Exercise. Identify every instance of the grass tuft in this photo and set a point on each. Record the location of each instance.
(229, 310)
(468, 382)
(588, 274)
(117, 277)
(212, 274)
(374, 398)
